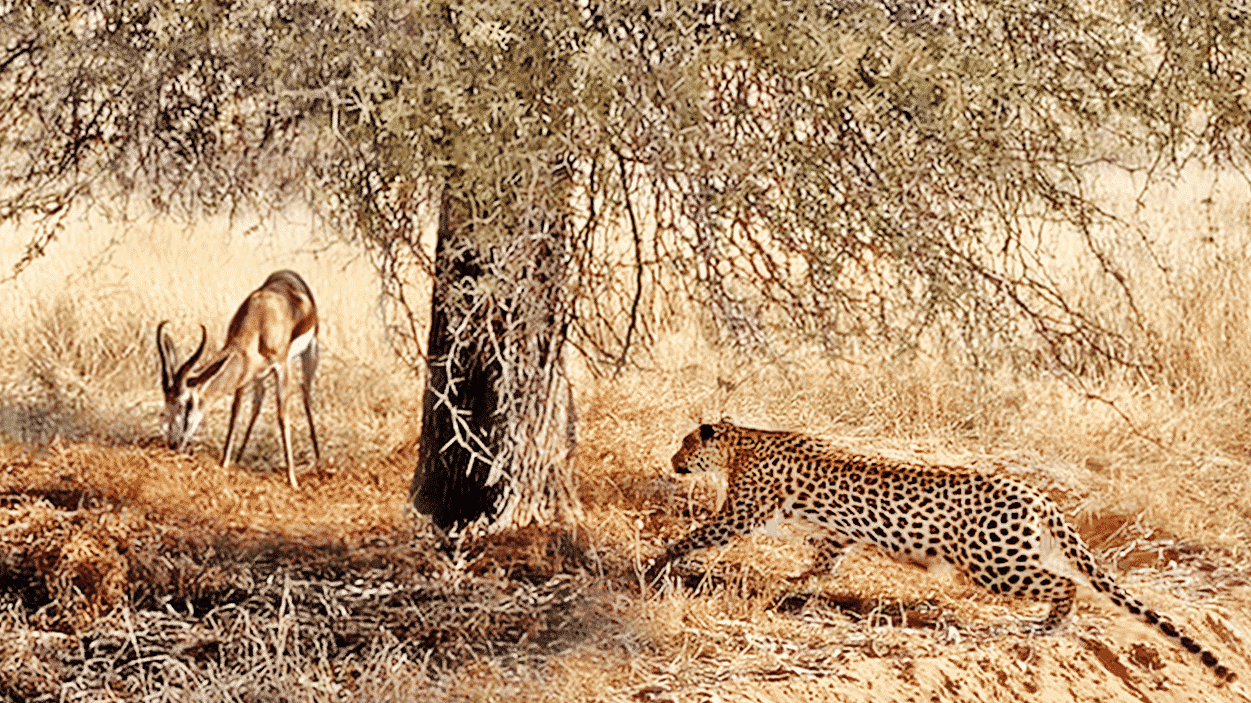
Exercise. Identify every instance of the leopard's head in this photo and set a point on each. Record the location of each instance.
(701, 451)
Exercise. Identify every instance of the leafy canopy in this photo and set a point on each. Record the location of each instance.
(828, 170)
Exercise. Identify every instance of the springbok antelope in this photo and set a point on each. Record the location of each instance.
(277, 322)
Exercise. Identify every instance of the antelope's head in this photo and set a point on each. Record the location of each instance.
(182, 396)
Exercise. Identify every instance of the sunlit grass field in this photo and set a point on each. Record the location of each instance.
(1153, 469)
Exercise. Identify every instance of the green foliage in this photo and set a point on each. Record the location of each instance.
(837, 169)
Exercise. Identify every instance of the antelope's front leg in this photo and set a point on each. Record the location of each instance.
(230, 429)
(258, 395)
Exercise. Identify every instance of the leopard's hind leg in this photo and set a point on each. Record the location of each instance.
(1033, 581)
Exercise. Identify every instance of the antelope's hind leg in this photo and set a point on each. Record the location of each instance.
(308, 362)
(280, 378)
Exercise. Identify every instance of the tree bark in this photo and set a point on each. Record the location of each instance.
(498, 428)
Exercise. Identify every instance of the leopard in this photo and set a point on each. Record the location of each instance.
(1006, 535)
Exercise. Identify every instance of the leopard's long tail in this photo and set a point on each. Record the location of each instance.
(1104, 583)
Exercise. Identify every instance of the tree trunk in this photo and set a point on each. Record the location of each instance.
(497, 434)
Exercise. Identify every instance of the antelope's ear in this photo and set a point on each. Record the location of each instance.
(167, 353)
(706, 432)
(171, 351)
(207, 373)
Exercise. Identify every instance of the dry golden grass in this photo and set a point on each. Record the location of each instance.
(228, 585)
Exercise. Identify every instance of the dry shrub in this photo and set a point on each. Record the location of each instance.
(30, 658)
(533, 553)
(77, 561)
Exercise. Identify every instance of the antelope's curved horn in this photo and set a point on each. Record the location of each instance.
(182, 370)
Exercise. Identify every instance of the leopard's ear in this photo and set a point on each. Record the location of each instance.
(705, 432)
